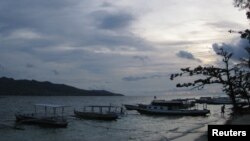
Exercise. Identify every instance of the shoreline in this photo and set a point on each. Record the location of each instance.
(199, 134)
(243, 119)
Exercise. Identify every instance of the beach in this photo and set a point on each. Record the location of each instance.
(200, 134)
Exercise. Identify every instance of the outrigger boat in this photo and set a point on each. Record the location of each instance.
(163, 110)
(44, 119)
(99, 112)
(180, 103)
(173, 107)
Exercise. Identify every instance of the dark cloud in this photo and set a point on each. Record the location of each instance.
(187, 55)
(225, 25)
(106, 4)
(143, 59)
(30, 13)
(1, 67)
(28, 65)
(133, 78)
(138, 78)
(55, 72)
(116, 41)
(236, 47)
(45, 29)
(112, 21)
(29, 25)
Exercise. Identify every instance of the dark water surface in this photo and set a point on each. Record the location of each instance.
(132, 126)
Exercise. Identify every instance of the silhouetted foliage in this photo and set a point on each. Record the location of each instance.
(244, 86)
(227, 76)
(243, 4)
(235, 79)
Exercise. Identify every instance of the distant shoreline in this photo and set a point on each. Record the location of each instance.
(3, 96)
(12, 87)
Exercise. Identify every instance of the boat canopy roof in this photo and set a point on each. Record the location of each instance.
(167, 101)
(51, 105)
(98, 106)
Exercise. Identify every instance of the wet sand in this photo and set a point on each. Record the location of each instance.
(200, 134)
(235, 120)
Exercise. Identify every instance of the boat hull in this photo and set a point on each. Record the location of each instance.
(174, 112)
(41, 121)
(96, 116)
(213, 102)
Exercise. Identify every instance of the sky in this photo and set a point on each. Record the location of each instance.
(126, 46)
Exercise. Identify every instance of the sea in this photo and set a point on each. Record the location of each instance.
(129, 127)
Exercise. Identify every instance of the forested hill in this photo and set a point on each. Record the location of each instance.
(9, 86)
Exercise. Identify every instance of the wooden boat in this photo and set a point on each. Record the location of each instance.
(44, 119)
(99, 112)
(170, 110)
(178, 103)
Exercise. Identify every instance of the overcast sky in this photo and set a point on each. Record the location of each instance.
(126, 46)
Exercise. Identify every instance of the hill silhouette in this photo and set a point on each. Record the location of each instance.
(11, 87)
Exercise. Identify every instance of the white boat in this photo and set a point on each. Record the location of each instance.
(99, 112)
(172, 108)
(178, 103)
(44, 119)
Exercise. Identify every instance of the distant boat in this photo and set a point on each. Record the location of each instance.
(44, 119)
(99, 112)
(216, 100)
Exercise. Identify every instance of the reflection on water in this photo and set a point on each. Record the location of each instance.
(132, 126)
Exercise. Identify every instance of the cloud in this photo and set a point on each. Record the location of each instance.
(177, 43)
(55, 72)
(25, 34)
(44, 24)
(28, 65)
(1, 67)
(111, 21)
(237, 47)
(63, 32)
(106, 4)
(132, 78)
(187, 55)
(143, 59)
(138, 78)
(225, 25)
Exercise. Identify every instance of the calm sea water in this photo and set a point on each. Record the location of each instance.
(132, 126)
